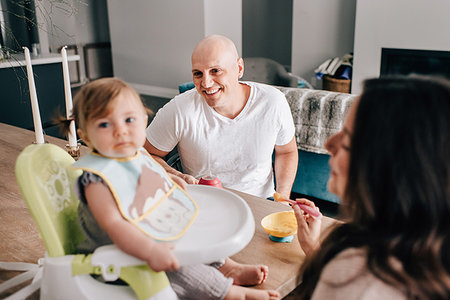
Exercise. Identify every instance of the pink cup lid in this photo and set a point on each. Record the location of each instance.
(210, 180)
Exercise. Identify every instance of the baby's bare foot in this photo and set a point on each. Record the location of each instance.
(244, 274)
(239, 292)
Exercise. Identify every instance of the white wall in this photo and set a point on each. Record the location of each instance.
(152, 40)
(322, 29)
(224, 17)
(404, 24)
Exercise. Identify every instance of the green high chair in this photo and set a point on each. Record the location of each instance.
(45, 180)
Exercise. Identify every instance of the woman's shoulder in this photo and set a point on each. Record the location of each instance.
(347, 276)
(346, 266)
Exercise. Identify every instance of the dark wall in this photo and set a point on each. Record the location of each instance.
(20, 24)
(267, 30)
(15, 99)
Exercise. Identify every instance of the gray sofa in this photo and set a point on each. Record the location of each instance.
(317, 114)
(266, 70)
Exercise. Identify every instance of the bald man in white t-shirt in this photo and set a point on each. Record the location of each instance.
(226, 127)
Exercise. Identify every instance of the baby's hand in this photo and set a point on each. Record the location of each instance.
(162, 258)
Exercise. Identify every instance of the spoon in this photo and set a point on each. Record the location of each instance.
(308, 209)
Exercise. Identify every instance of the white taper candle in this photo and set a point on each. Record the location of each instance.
(33, 96)
(68, 94)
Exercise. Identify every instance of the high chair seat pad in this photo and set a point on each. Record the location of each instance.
(223, 227)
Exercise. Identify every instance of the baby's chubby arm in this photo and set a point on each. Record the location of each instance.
(128, 238)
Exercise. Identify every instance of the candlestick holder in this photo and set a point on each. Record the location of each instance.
(74, 151)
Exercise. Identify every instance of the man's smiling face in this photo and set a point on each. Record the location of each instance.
(216, 70)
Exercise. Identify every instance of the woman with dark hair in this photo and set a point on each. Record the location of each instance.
(390, 165)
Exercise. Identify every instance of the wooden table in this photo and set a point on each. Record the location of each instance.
(19, 236)
(20, 239)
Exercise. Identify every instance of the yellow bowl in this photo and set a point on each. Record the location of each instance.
(280, 224)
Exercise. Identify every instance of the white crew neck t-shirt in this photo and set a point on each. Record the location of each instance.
(238, 151)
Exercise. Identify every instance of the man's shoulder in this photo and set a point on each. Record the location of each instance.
(265, 89)
(187, 97)
(185, 101)
(267, 95)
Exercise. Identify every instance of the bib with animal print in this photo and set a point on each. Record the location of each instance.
(145, 194)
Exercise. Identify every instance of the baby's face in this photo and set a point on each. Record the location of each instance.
(122, 131)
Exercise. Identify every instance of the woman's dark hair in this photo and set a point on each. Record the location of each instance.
(398, 189)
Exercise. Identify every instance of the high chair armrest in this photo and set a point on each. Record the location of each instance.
(111, 259)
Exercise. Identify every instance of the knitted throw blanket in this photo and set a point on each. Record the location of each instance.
(317, 114)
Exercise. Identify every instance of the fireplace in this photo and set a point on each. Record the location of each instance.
(406, 61)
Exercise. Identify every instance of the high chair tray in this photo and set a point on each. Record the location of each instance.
(223, 227)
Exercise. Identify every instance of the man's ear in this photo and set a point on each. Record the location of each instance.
(240, 67)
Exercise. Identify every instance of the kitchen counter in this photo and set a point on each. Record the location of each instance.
(18, 60)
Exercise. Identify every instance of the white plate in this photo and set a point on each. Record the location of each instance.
(223, 227)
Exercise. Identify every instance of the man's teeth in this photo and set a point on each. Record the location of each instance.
(212, 91)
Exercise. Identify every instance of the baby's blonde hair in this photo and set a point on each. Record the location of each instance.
(92, 100)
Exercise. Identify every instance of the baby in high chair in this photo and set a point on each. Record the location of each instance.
(127, 198)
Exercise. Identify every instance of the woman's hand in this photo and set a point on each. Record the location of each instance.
(308, 232)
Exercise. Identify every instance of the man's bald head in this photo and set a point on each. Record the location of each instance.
(216, 70)
(216, 45)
